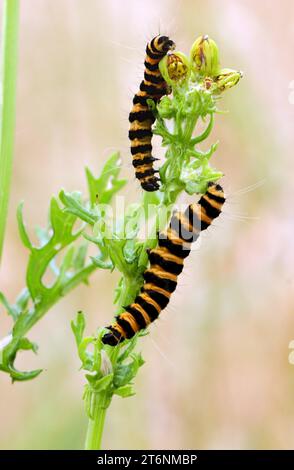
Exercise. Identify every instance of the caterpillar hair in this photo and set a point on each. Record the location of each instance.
(141, 117)
(166, 263)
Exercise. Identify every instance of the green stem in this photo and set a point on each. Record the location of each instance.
(129, 290)
(7, 113)
(204, 134)
(190, 125)
(96, 425)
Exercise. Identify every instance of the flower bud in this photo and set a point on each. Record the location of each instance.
(208, 83)
(165, 108)
(174, 68)
(205, 57)
(227, 78)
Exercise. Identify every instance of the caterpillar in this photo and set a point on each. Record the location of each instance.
(141, 117)
(166, 263)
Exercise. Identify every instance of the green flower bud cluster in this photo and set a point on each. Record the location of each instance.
(203, 66)
(196, 82)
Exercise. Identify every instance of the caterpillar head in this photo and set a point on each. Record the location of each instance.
(164, 44)
(113, 337)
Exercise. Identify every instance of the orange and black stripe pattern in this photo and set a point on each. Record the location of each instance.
(141, 117)
(166, 263)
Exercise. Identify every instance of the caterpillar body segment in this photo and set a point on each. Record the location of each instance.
(141, 117)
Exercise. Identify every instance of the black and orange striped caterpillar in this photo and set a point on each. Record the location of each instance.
(141, 117)
(166, 263)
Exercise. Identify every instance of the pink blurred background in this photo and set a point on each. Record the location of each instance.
(217, 372)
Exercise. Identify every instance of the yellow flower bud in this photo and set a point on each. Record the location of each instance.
(205, 57)
(175, 68)
(227, 78)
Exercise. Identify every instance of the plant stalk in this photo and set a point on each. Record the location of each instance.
(7, 112)
(96, 425)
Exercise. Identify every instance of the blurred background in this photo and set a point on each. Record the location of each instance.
(217, 372)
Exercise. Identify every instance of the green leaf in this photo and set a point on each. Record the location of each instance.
(62, 225)
(80, 256)
(53, 241)
(127, 349)
(7, 358)
(73, 205)
(11, 309)
(22, 300)
(206, 132)
(42, 235)
(125, 373)
(125, 391)
(193, 188)
(78, 327)
(21, 227)
(130, 251)
(151, 198)
(131, 224)
(19, 376)
(25, 344)
(118, 290)
(86, 357)
(102, 189)
(66, 264)
(103, 383)
(99, 262)
(20, 326)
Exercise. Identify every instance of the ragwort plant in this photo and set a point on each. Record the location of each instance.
(196, 82)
